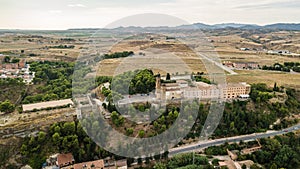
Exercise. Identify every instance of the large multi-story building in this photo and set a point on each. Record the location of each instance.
(181, 89)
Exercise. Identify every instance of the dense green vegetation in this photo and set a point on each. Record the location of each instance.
(53, 81)
(7, 59)
(283, 151)
(63, 47)
(201, 79)
(103, 79)
(64, 138)
(114, 55)
(118, 55)
(139, 81)
(7, 107)
(185, 161)
(11, 89)
(286, 67)
(279, 152)
(198, 77)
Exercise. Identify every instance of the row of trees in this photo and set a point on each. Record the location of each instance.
(63, 47)
(118, 55)
(201, 79)
(286, 67)
(114, 55)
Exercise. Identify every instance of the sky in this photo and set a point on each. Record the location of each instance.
(65, 14)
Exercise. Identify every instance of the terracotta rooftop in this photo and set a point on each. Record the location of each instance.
(99, 164)
(64, 159)
(121, 163)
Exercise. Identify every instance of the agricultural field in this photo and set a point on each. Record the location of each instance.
(268, 77)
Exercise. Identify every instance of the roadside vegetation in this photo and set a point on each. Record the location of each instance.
(278, 152)
(185, 161)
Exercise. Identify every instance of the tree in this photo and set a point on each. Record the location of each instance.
(254, 166)
(273, 166)
(141, 133)
(68, 128)
(129, 131)
(41, 137)
(7, 107)
(140, 161)
(56, 138)
(15, 60)
(130, 161)
(168, 76)
(275, 88)
(114, 116)
(215, 162)
(160, 166)
(147, 160)
(287, 158)
(6, 59)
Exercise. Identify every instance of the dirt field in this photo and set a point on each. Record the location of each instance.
(268, 77)
(39, 119)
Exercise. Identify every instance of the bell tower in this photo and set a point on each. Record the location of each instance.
(158, 86)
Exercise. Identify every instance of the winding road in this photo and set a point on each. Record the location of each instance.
(250, 137)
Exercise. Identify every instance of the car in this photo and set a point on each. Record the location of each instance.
(286, 131)
(296, 128)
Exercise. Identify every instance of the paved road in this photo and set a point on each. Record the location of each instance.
(219, 64)
(137, 98)
(245, 138)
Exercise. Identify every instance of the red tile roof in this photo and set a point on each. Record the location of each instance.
(99, 164)
(65, 159)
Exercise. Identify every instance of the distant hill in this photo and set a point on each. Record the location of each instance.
(195, 26)
(277, 26)
(284, 26)
(232, 25)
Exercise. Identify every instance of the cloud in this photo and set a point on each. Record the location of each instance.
(270, 5)
(77, 5)
(55, 11)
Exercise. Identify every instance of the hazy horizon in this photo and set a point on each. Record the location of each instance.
(33, 29)
(68, 14)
